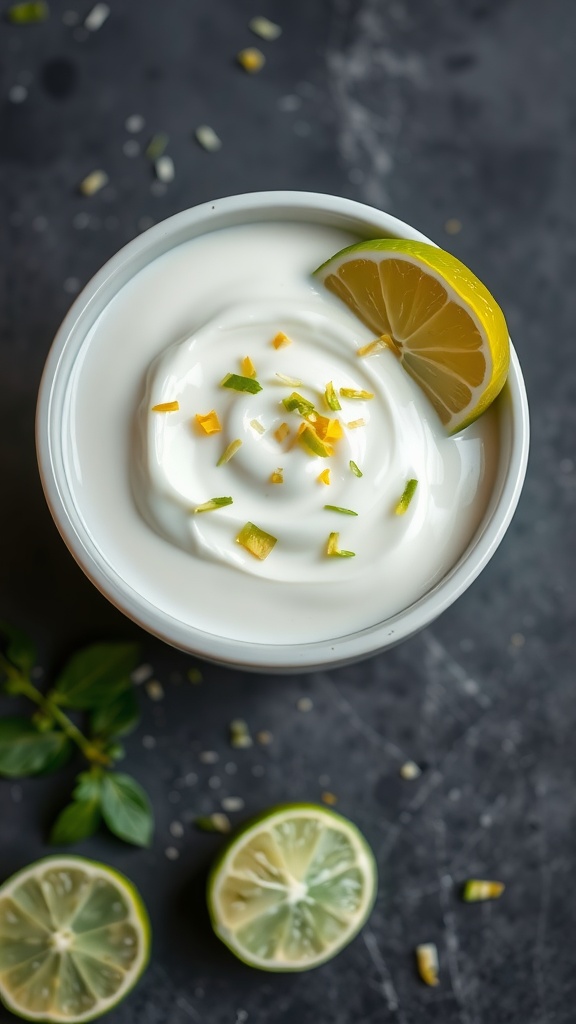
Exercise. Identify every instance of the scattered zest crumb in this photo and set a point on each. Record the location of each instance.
(410, 770)
(155, 690)
(251, 59)
(164, 169)
(354, 424)
(477, 890)
(240, 734)
(96, 18)
(256, 541)
(356, 393)
(304, 704)
(166, 407)
(292, 382)
(93, 182)
(281, 340)
(232, 803)
(324, 477)
(171, 853)
(334, 551)
(207, 138)
(247, 367)
(214, 823)
(282, 433)
(257, 426)
(209, 422)
(194, 676)
(427, 963)
(264, 28)
(213, 503)
(277, 477)
(264, 737)
(407, 495)
(374, 346)
(229, 452)
(329, 798)
(27, 13)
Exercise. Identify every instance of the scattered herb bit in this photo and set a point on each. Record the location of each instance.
(216, 822)
(304, 704)
(239, 383)
(355, 469)
(478, 890)
(354, 424)
(324, 477)
(195, 676)
(209, 506)
(309, 440)
(166, 407)
(164, 169)
(344, 511)
(209, 422)
(27, 13)
(229, 452)
(281, 340)
(251, 59)
(156, 146)
(240, 734)
(282, 432)
(256, 541)
(96, 18)
(374, 346)
(93, 182)
(334, 551)
(155, 690)
(257, 426)
(292, 382)
(264, 737)
(406, 498)
(331, 397)
(410, 771)
(296, 403)
(354, 393)
(207, 138)
(248, 368)
(264, 28)
(277, 477)
(232, 804)
(427, 963)
(329, 798)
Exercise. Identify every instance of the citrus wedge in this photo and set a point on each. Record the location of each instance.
(293, 888)
(436, 316)
(74, 939)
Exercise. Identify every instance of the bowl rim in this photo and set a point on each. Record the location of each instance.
(68, 342)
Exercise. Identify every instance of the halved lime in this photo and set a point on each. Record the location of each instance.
(293, 888)
(74, 939)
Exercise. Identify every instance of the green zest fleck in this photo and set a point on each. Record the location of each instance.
(353, 393)
(334, 551)
(229, 452)
(478, 890)
(156, 146)
(256, 541)
(209, 506)
(27, 14)
(344, 511)
(238, 383)
(331, 397)
(355, 469)
(406, 498)
(296, 403)
(310, 440)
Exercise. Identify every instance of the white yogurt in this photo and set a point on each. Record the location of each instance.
(172, 334)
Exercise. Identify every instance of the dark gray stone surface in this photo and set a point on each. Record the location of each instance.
(434, 109)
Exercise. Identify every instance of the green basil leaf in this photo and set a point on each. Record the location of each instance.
(19, 648)
(117, 717)
(88, 786)
(77, 821)
(25, 751)
(126, 809)
(96, 675)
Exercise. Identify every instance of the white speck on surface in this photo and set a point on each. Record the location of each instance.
(209, 757)
(158, 188)
(258, 771)
(410, 770)
(214, 782)
(207, 138)
(71, 285)
(566, 465)
(176, 829)
(264, 28)
(190, 779)
(149, 742)
(16, 793)
(288, 104)
(70, 18)
(302, 129)
(141, 674)
(323, 780)
(40, 223)
(134, 123)
(174, 797)
(96, 18)
(304, 704)
(517, 639)
(164, 168)
(81, 221)
(241, 1016)
(171, 853)
(230, 768)
(131, 148)
(486, 820)
(155, 690)
(17, 93)
(232, 803)
(454, 795)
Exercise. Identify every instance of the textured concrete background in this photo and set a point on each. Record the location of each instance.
(436, 110)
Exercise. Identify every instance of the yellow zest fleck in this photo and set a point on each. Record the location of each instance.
(209, 423)
(281, 340)
(93, 182)
(293, 382)
(327, 429)
(229, 452)
(356, 393)
(333, 549)
(257, 426)
(248, 368)
(324, 477)
(313, 444)
(277, 477)
(374, 346)
(251, 59)
(354, 424)
(166, 407)
(329, 798)
(427, 963)
(282, 433)
(410, 770)
(477, 890)
(256, 541)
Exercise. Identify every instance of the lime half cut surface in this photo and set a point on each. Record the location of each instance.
(293, 888)
(74, 939)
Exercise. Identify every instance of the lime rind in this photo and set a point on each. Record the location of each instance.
(24, 899)
(303, 916)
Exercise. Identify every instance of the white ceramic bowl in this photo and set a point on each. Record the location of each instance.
(53, 431)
